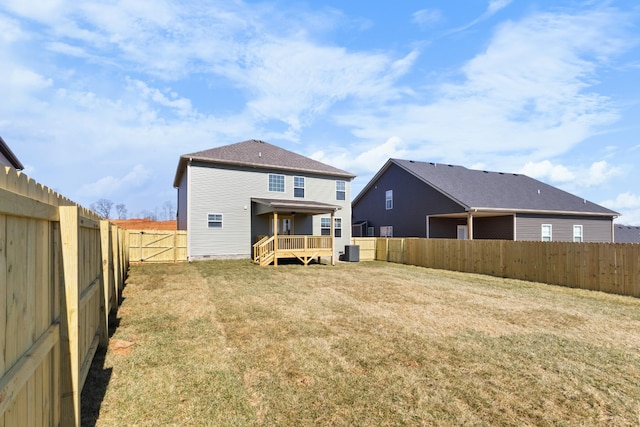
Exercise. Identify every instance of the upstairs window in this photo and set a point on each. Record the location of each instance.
(298, 186)
(577, 233)
(388, 199)
(341, 190)
(276, 183)
(214, 220)
(546, 232)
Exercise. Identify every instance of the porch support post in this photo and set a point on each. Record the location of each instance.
(333, 240)
(470, 225)
(275, 238)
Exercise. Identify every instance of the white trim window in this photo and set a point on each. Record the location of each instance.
(577, 233)
(547, 232)
(371, 231)
(276, 183)
(386, 231)
(388, 199)
(214, 220)
(341, 190)
(325, 226)
(337, 227)
(298, 186)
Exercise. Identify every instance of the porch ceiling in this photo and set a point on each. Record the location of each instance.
(310, 207)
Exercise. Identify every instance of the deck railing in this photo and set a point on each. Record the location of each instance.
(304, 248)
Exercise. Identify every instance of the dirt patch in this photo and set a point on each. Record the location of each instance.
(121, 347)
(145, 224)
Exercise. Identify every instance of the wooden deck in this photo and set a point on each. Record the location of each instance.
(305, 248)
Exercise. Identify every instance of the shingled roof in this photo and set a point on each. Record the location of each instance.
(493, 191)
(627, 233)
(259, 154)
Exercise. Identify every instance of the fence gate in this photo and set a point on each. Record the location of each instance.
(157, 245)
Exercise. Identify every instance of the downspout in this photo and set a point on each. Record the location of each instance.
(333, 240)
(188, 210)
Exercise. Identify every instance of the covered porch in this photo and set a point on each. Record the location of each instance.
(284, 230)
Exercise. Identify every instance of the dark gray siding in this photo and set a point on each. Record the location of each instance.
(493, 227)
(594, 229)
(445, 228)
(413, 200)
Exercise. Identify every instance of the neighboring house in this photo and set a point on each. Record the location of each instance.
(627, 233)
(420, 199)
(233, 196)
(7, 157)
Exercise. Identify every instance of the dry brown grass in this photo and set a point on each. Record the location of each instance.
(227, 343)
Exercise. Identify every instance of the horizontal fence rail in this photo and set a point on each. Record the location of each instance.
(607, 267)
(62, 270)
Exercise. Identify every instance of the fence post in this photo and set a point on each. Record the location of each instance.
(70, 346)
(107, 280)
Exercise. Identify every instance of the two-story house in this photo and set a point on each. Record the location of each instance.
(253, 199)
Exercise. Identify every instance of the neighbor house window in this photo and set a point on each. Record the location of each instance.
(214, 220)
(577, 233)
(341, 190)
(546, 232)
(276, 183)
(370, 231)
(325, 227)
(388, 199)
(386, 231)
(298, 186)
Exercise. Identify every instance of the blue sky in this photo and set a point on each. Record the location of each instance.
(100, 98)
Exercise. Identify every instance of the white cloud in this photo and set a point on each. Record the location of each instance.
(545, 170)
(628, 204)
(601, 172)
(530, 92)
(427, 17)
(107, 186)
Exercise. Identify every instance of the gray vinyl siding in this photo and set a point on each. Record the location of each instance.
(594, 229)
(228, 191)
(413, 201)
(182, 201)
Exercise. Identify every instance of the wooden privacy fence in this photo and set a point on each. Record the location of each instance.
(62, 271)
(607, 267)
(157, 245)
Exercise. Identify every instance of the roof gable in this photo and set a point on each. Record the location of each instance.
(485, 190)
(259, 154)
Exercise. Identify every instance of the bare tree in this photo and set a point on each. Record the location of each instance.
(153, 216)
(168, 208)
(121, 209)
(102, 207)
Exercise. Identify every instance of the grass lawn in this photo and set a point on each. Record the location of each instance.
(228, 343)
